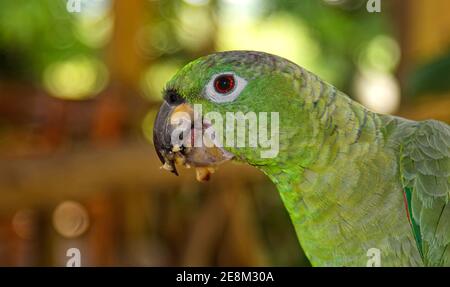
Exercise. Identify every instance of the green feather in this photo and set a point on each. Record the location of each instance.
(425, 173)
(415, 227)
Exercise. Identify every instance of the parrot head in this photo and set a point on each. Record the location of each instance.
(207, 93)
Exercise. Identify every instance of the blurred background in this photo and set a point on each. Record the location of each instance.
(80, 85)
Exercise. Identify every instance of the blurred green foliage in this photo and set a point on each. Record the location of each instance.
(341, 40)
(34, 34)
(430, 77)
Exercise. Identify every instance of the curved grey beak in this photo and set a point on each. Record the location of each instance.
(162, 131)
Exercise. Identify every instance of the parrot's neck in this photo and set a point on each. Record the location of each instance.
(338, 184)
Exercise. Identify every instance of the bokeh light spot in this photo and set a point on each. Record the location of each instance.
(197, 2)
(70, 219)
(23, 223)
(194, 34)
(94, 31)
(380, 92)
(382, 54)
(156, 77)
(75, 79)
(280, 34)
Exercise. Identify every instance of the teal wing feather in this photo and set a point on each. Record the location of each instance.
(425, 171)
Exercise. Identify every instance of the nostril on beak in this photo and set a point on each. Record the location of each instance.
(173, 98)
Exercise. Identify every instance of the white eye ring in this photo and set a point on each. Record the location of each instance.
(213, 95)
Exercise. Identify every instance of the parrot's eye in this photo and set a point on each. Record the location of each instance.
(225, 87)
(224, 84)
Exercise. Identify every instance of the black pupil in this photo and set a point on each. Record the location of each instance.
(224, 84)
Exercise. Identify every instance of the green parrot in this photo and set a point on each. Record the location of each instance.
(352, 180)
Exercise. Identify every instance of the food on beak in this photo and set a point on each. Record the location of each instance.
(204, 173)
(204, 158)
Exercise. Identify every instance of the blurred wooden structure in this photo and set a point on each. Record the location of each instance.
(423, 28)
(127, 194)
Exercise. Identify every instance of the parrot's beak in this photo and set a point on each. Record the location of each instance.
(161, 137)
(203, 158)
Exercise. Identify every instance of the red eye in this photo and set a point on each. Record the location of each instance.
(224, 84)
